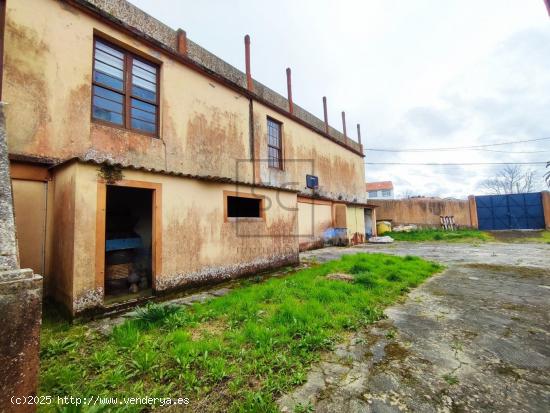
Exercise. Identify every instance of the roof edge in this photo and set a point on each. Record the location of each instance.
(205, 178)
(338, 201)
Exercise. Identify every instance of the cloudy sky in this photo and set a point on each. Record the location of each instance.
(413, 73)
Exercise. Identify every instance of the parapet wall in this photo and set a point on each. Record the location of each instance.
(424, 212)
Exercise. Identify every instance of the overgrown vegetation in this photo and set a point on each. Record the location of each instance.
(235, 353)
(450, 379)
(461, 235)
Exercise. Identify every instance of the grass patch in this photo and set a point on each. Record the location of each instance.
(461, 235)
(450, 379)
(236, 353)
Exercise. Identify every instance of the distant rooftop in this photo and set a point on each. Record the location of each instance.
(375, 186)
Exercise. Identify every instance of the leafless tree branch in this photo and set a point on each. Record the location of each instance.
(511, 179)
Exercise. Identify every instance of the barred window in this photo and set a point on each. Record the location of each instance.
(124, 89)
(274, 144)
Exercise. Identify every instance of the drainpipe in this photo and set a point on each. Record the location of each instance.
(251, 137)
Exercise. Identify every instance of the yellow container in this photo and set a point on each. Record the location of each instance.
(382, 227)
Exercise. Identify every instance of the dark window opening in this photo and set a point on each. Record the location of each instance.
(274, 144)
(239, 207)
(128, 243)
(125, 89)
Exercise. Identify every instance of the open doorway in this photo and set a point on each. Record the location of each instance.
(128, 243)
(369, 224)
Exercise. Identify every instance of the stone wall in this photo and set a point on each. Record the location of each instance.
(20, 304)
(424, 212)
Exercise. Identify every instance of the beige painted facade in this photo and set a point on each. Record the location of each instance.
(197, 244)
(313, 220)
(356, 224)
(340, 172)
(30, 201)
(316, 219)
(212, 141)
(204, 125)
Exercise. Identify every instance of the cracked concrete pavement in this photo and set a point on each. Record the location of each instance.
(475, 338)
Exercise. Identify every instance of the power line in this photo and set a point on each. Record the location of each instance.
(495, 150)
(473, 147)
(456, 164)
(450, 150)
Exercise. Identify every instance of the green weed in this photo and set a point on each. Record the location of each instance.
(450, 379)
(126, 335)
(250, 345)
(155, 313)
(461, 235)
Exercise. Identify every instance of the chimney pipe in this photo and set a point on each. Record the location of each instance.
(359, 134)
(325, 112)
(249, 84)
(289, 90)
(344, 124)
(182, 42)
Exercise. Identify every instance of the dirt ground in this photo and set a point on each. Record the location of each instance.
(474, 338)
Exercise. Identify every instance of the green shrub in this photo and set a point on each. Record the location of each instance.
(126, 335)
(154, 313)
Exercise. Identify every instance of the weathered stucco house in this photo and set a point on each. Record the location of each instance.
(142, 163)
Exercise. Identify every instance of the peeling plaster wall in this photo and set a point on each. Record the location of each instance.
(341, 172)
(63, 245)
(313, 220)
(135, 18)
(204, 125)
(356, 224)
(198, 246)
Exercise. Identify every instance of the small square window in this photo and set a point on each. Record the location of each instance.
(244, 206)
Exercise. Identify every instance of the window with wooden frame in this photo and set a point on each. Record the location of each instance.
(125, 89)
(274, 144)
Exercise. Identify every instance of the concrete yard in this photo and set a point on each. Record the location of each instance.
(474, 338)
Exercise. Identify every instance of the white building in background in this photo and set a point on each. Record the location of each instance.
(380, 190)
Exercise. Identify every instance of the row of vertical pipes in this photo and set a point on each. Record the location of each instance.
(250, 86)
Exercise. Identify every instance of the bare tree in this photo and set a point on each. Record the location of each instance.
(547, 175)
(511, 179)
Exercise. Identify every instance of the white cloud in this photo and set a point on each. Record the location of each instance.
(420, 73)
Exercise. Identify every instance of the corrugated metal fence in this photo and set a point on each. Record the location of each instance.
(514, 211)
